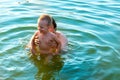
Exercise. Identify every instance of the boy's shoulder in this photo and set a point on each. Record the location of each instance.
(36, 33)
(52, 34)
(59, 33)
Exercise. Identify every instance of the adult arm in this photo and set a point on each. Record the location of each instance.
(32, 43)
(59, 44)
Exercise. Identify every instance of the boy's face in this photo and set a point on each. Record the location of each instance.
(42, 26)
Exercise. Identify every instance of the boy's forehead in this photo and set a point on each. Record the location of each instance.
(43, 22)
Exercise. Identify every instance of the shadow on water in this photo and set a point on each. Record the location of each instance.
(48, 71)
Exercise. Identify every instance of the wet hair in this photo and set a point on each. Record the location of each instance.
(54, 24)
(47, 18)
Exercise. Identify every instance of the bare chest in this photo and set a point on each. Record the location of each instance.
(46, 42)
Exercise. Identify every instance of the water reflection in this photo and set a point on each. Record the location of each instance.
(48, 71)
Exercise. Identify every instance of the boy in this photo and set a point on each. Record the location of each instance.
(48, 42)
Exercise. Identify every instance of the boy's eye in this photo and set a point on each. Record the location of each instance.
(41, 26)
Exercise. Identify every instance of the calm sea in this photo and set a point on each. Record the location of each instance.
(91, 26)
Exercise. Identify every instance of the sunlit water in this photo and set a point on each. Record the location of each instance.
(92, 29)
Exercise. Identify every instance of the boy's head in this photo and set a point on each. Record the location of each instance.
(47, 18)
(44, 22)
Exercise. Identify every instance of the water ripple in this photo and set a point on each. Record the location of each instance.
(92, 29)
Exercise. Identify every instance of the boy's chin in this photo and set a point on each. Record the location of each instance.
(43, 31)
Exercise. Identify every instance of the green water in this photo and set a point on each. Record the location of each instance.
(92, 29)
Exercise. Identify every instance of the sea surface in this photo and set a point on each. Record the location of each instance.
(92, 28)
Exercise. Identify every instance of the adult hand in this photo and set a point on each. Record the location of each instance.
(36, 41)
